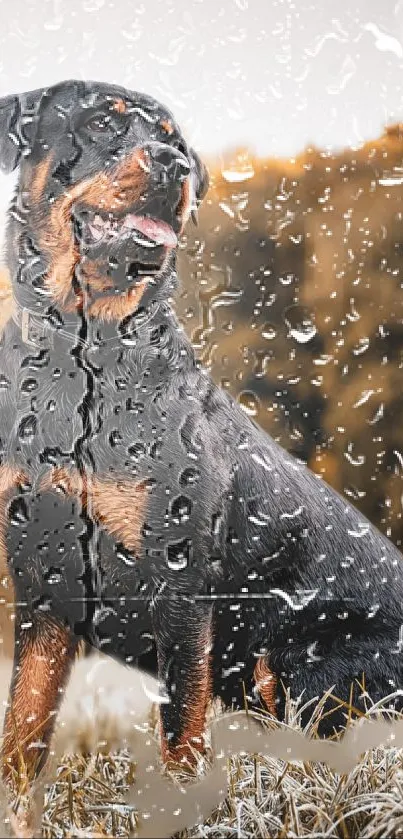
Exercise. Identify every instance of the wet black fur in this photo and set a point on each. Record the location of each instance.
(238, 535)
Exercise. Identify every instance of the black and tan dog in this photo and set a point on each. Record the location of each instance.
(140, 507)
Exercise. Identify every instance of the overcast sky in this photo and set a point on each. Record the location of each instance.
(273, 74)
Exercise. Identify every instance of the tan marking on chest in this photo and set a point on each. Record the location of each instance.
(111, 191)
(44, 657)
(116, 307)
(194, 709)
(118, 505)
(93, 276)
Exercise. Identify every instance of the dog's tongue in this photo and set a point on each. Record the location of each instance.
(158, 231)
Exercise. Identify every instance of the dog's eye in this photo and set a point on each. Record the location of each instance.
(100, 122)
(171, 136)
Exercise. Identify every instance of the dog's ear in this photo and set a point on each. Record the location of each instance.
(17, 127)
(9, 142)
(201, 177)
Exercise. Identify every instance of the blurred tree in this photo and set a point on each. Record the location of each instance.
(292, 293)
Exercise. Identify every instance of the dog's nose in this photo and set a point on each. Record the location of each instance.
(167, 164)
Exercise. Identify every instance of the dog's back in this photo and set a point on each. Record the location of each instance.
(320, 593)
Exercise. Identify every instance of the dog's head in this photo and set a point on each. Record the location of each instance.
(107, 183)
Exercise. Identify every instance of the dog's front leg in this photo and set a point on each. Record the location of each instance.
(44, 652)
(183, 633)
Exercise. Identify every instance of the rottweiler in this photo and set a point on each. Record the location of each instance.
(141, 509)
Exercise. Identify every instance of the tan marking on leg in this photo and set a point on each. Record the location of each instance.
(9, 478)
(200, 694)
(41, 667)
(266, 683)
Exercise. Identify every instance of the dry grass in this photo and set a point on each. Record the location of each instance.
(88, 797)
(107, 704)
(268, 797)
(276, 798)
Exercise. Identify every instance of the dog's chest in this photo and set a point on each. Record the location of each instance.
(132, 456)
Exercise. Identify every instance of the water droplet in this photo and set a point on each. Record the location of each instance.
(361, 347)
(136, 452)
(365, 395)
(44, 604)
(249, 403)
(125, 556)
(268, 331)
(286, 279)
(216, 521)
(155, 450)
(354, 493)
(53, 576)
(237, 175)
(189, 476)
(300, 324)
(355, 461)
(243, 442)
(226, 209)
(29, 385)
(93, 5)
(115, 438)
(27, 428)
(181, 508)
(134, 407)
(120, 384)
(363, 530)
(18, 512)
(178, 554)
(378, 415)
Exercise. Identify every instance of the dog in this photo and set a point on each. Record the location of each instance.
(141, 509)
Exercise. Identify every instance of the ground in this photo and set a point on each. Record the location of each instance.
(267, 796)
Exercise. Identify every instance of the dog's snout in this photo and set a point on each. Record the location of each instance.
(167, 163)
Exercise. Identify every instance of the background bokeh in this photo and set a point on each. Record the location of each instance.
(292, 292)
(292, 283)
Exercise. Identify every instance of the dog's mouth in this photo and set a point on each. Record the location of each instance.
(145, 231)
(132, 247)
